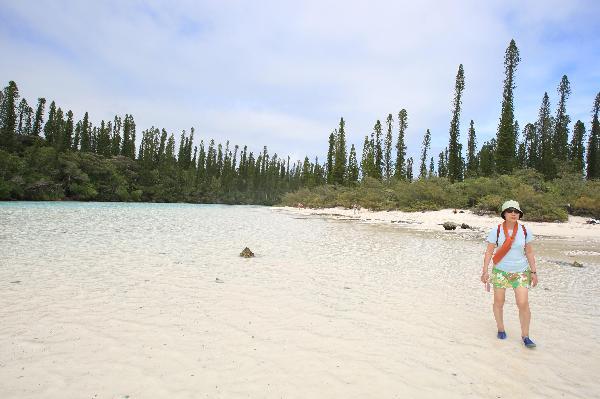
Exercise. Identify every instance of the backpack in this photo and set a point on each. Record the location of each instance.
(500, 226)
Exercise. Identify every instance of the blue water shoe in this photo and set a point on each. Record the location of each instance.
(528, 342)
(501, 334)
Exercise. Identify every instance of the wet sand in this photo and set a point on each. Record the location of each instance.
(573, 241)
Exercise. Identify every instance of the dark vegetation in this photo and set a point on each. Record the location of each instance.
(549, 169)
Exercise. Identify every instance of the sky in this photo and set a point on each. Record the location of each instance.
(283, 73)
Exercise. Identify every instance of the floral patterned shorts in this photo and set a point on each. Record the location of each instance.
(502, 279)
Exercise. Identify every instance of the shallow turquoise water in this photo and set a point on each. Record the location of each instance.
(77, 279)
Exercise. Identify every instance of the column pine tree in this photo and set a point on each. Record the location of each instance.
(8, 120)
(424, 150)
(576, 150)
(331, 157)
(400, 167)
(454, 149)
(593, 150)
(387, 149)
(339, 167)
(560, 145)
(352, 166)
(378, 152)
(505, 156)
(472, 152)
(39, 117)
(544, 127)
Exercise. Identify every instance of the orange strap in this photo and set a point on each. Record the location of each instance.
(508, 241)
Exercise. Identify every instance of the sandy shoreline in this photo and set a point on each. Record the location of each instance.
(575, 228)
(561, 244)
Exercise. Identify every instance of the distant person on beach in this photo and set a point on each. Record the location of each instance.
(514, 267)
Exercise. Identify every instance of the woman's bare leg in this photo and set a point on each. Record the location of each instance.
(522, 298)
(499, 296)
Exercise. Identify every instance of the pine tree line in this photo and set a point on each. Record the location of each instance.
(199, 173)
(215, 172)
(544, 146)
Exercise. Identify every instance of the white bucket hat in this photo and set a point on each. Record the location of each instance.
(511, 204)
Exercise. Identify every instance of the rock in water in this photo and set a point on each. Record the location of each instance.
(246, 253)
(465, 226)
(450, 226)
(577, 264)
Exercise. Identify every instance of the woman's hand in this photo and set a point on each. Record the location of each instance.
(534, 279)
(485, 277)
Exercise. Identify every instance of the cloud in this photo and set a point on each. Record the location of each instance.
(282, 74)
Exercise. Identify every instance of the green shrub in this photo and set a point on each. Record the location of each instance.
(5, 190)
(122, 194)
(587, 206)
(539, 200)
(425, 194)
(490, 203)
(82, 191)
(136, 195)
(44, 189)
(540, 207)
(531, 178)
(568, 187)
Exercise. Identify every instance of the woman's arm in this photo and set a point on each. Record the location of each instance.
(486, 261)
(532, 266)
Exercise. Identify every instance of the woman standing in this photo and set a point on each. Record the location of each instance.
(514, 267)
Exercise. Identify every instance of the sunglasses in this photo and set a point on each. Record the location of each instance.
(511, 210)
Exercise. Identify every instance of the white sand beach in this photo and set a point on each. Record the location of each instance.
(565, 242)
(153, 301)
(576, 228)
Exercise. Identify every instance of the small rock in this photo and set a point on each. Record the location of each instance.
(483, 212)
(16, 282)
(465, 226)
(218, 280)
(576, 264)
(461, 211)
(246, 253)
(449, 226)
